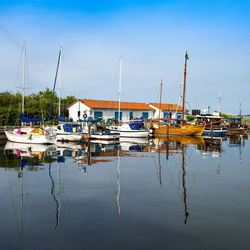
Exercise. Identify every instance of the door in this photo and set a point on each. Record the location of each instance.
(116, 116)
(145, 115)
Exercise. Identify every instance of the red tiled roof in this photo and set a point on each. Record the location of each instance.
(113, 104)
(167, 106)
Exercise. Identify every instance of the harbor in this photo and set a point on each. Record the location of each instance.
(124, 125)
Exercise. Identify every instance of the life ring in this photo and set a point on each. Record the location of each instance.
(85, 116)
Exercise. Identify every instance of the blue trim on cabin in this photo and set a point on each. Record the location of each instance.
(70, 128)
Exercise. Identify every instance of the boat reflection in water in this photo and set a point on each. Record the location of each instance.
(176, 145)
(30, 150)
(33, 156)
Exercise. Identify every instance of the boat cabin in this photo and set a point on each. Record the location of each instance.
(69, 127)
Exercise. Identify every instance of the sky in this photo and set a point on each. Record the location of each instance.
(151, 36)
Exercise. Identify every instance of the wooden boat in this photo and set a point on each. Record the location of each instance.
(178, 129)
(170, 126)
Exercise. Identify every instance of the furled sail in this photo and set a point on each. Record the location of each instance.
(60, 119)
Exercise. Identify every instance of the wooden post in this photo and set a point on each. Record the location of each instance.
(89, 163)
(167, 141)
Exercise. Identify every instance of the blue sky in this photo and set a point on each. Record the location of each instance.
(152, 36)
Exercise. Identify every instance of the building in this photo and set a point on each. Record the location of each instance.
(173, 111)
(83, 108)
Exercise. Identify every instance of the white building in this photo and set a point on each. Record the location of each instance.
(83, 108)
(173, 111)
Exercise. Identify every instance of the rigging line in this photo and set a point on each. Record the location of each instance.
(179, 78)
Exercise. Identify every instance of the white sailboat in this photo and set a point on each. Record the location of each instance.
(135, 129)
(31, 135)
(65, 131)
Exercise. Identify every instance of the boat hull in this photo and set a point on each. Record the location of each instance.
(30, 139)
(132, 134)
(105, 136)
(190, 130)
(216, 133)
(69, 137)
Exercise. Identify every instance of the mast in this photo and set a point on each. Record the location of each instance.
(160, 101)
(24, 62)
(60, 82)
(184, 88)
(120, 88)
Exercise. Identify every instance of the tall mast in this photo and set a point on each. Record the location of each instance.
(60, 82)
(24, 62)
(120, 88)
(184, 87)
(160, 101)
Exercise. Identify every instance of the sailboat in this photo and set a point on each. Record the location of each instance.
(65, 131)
(31, 135)
(182, 128)
(134, 129)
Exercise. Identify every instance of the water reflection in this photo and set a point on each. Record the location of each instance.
(168, 153)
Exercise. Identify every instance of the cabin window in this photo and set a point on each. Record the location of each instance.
(145, 115)
(59, 127)
(116, 116)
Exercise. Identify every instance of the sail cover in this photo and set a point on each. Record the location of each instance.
(25, 119)
(60, 119)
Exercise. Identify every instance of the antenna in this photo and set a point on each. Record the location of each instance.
(219, 101)
(240, 107)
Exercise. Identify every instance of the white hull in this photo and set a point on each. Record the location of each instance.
(69, 137)
(30, 139)
(29, 150)
(105, 137)
(132, 133)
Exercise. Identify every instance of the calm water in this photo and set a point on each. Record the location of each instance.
(188, 194)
